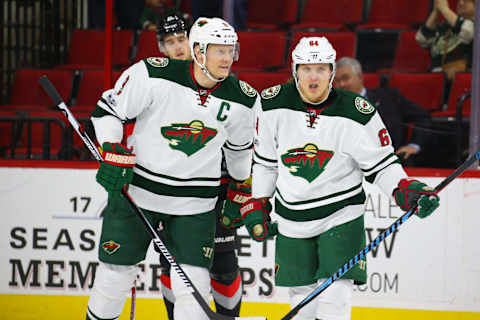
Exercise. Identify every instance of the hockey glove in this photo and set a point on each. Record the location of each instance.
(256, 217)
(412, 192)
(117, 168)
(237, 195)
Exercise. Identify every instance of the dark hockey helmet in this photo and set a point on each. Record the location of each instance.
(172, 23)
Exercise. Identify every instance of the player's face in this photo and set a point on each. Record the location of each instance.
(313, 80)
(176, 46)
(346, 79)
(219, 59)
(466, 8)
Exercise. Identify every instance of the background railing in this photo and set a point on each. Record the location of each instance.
(36, 33)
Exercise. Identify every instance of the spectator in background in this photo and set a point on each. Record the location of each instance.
(395, 110)
(450, 42)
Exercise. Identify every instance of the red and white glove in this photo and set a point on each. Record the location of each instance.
(256, 217)
(237, 195)
(117, 168)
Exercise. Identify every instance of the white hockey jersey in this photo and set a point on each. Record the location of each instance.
(180, 132)
(315, 165)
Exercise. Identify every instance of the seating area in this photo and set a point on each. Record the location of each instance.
(384, 32)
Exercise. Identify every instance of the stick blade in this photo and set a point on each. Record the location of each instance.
(50, 90)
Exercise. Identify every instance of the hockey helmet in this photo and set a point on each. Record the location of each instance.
(312, 50)
(172, 23)
(207, 31)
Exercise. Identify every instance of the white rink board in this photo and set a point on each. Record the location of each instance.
(51, 226)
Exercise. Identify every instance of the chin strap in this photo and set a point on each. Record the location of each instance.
(205, 70)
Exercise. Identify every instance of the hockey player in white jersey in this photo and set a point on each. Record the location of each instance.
(315, 145)
(186, 114)
(226, 281)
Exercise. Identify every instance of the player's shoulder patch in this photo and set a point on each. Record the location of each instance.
(271, 92)
(158, 62)
(363, 105)
(247, 89)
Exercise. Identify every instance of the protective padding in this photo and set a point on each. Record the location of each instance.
(335, 303)
(186, 307)
(112, 285)
(299, 293)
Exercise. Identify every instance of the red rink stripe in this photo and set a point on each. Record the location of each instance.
(227, 290)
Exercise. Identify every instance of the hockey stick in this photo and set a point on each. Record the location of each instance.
(373, 244)
(55, 96)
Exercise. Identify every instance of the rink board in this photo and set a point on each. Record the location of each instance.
(49, 241)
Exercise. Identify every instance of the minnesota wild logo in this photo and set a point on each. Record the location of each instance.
(188, 137)
(158, 62)
(201, 23)
(110, 246)
(307, 162)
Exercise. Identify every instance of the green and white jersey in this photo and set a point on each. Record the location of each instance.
(314, 164)
(180, 132)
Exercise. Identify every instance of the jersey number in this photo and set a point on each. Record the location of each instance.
(384, 138)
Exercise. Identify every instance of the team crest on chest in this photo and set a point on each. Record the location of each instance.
(271, 92)
(247, 89)
(363, 105)
(158, 62)
(188, 137)
(306, 162)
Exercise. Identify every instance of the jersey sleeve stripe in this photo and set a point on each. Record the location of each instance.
(99, 112)
(371, 177)
(259, 157)
(381, 164)
(102, 103)
(234, 147)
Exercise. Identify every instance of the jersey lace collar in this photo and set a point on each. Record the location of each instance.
(313, 110)
(203, 93)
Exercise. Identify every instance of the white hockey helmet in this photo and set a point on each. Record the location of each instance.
(312, 50)
(207, 31)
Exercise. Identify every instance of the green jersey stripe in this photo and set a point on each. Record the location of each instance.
(336, 194)
(175, 191)
(174, 178)
(318, 212)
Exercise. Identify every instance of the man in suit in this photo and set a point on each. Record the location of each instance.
(395, 110)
